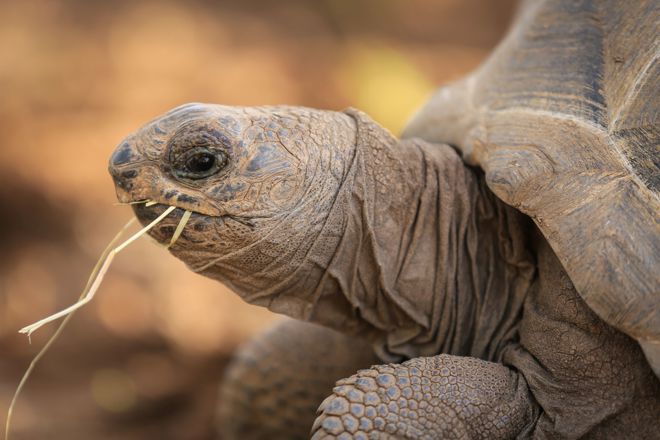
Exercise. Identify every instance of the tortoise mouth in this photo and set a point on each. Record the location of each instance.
(164, 230)
(196, 226)
(180, 201)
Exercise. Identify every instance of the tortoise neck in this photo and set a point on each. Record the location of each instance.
(429, 261)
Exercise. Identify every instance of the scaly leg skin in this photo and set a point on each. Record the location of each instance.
(277, 381)
(448, 397)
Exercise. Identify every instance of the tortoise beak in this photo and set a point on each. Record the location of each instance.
(134, 177)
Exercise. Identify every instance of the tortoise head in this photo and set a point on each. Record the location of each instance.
(258, 180)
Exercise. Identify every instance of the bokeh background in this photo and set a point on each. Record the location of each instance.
(144, 359)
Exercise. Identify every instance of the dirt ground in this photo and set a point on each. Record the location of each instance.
(144, 359)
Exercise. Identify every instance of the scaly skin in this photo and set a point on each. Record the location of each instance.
(326, 217)
(448, 397)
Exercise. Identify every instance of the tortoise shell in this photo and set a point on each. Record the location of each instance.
(564, 120)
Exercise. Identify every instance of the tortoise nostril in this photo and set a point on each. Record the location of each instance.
(121, 183)
(123, 177)
(129, 174)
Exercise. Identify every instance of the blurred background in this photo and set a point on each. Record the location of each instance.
(143, 360)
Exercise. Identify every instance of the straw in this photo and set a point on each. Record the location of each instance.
(93, 283)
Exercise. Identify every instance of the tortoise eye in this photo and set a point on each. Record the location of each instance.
(200, 163)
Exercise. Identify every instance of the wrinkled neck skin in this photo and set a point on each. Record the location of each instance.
(407, 248)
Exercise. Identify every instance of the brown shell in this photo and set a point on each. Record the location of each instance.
(564, 120)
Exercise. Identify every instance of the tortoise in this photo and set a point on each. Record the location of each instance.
(491, 274)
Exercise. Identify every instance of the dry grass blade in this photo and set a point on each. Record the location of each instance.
(59, 330)
(93, 283)
(179, 228)
(137, 202)
(88, 294)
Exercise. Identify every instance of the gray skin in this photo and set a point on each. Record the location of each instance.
(326, 217)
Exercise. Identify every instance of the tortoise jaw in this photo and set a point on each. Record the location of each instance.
(138, 187)
(160, 205)
(186, 203)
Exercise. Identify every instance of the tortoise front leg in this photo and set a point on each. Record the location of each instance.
(443, 396)
(277, 380)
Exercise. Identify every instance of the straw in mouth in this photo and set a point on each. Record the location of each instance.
(93, 284)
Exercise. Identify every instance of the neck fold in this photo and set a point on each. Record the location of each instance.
(428, 259)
